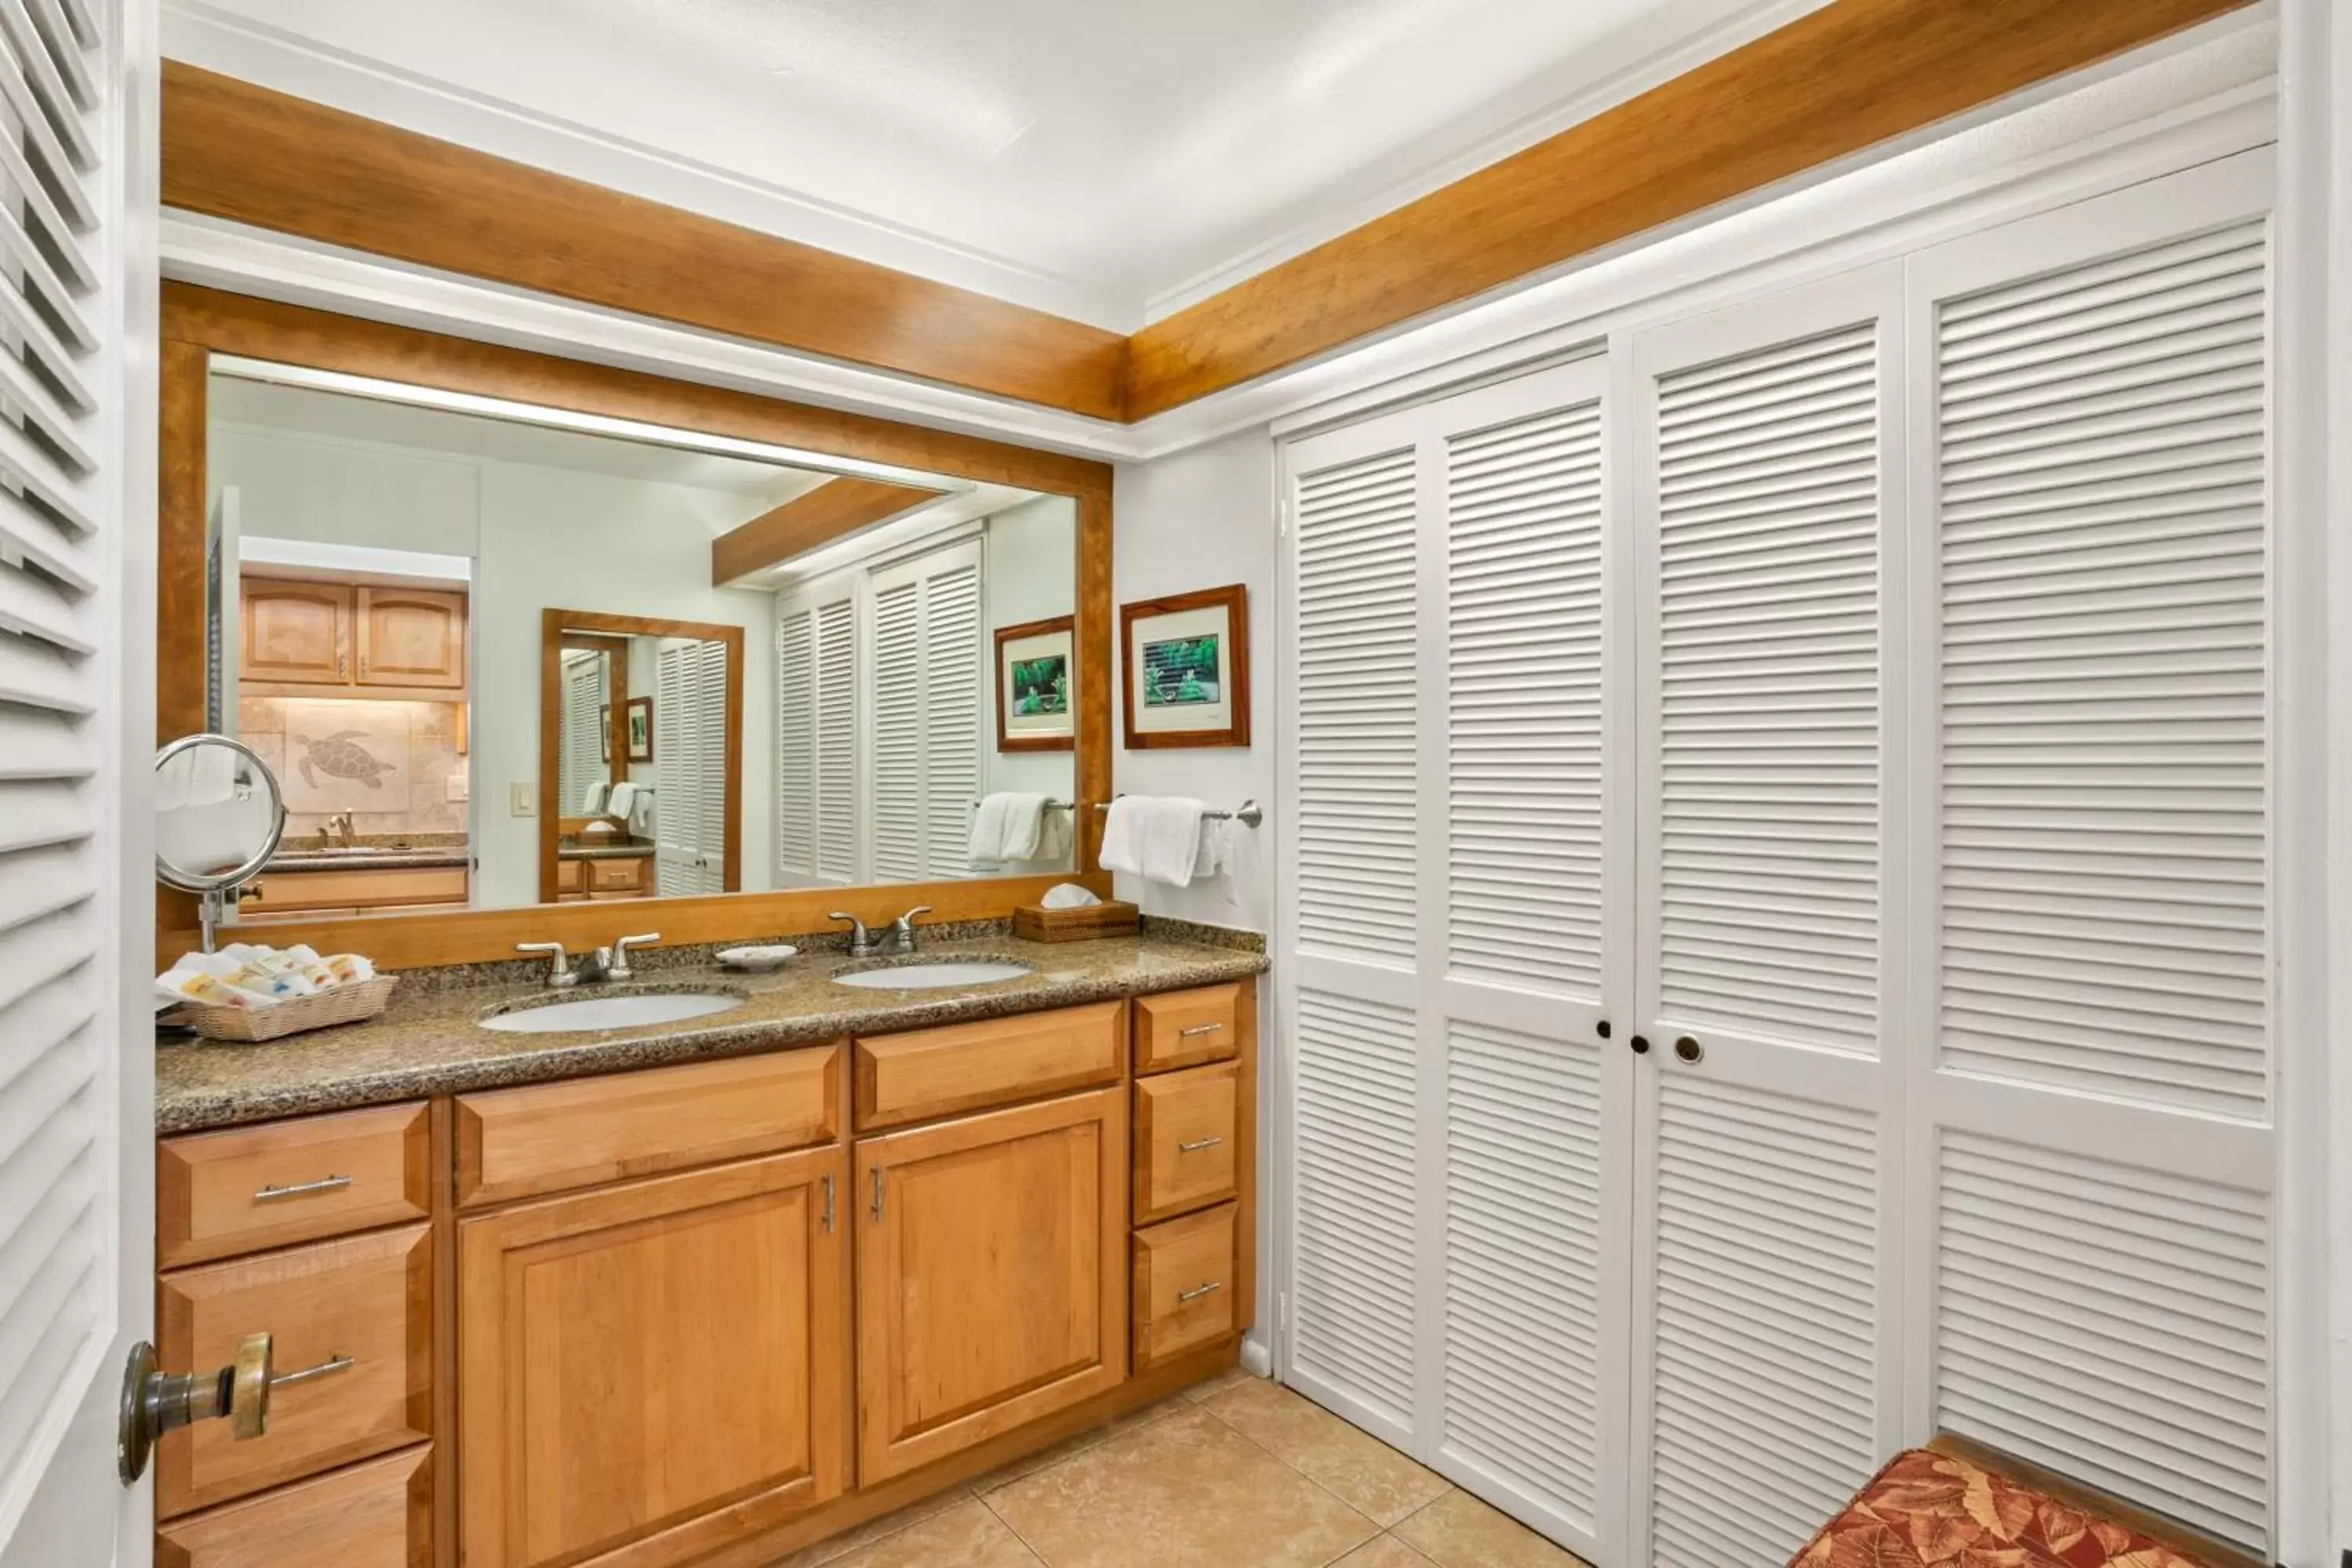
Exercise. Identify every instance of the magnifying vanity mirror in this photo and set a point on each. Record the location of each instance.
(219, 818)
(499, 663)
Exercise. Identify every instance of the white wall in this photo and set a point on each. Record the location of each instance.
(1033, 575)
(540, 537)
(1203, 518)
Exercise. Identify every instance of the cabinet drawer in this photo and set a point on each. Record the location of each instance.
(1185, 1137)
(362, 1306)
(221, 1194)
(939, 1072)
(376, 1515)
(1185, 1028)
(605, 876)
(1186, 1288)
(553, 1137)
(364, 888)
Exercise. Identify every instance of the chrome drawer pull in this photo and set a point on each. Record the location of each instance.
(1198, 1029)
(1197, 1144)
(1197, 1292)
(327, 1368)
(301, 1189)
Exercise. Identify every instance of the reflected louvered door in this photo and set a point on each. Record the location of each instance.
(796, 731)
(678, 766)
(2092, 1131)
(76, 618)
(816, 757)
(1449, 933)
(710, 771)
(928, 686)
(897, 795)
(1767, 539)
(838, 797)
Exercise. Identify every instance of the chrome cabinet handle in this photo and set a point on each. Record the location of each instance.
(302, 1189)
(1198, 1029)
(1197, 1292)
(327, 1368)
(1197, 1144)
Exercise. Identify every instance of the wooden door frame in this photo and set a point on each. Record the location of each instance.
(554, 626)
(200, 323)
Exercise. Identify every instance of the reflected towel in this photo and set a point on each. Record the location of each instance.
(1007, 826)
(1154, 837)
(593, 803)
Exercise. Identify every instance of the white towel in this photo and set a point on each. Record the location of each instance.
(593, 803)
(1007, 826)
(1157, 837)
(622, 798)
(643, 811)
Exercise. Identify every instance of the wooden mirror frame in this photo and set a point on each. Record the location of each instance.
(616, 723)
(199, 322)
(560, 629)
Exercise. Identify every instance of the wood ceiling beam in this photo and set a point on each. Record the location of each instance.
(1838, 81)
(810, 519)
(235, 150)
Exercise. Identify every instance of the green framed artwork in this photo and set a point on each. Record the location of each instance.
(1185, 662)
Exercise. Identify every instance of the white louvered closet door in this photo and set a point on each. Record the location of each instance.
(2092, 1112)
(796, 731)
(585, 731)
(712, 718)
(1769, 532)
(927, 682)
(677, 766)
(838, 796)
(816, 737)
(1450, 945)
(77, 609)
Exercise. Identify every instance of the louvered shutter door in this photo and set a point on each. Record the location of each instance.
(953, 688)
(711, 776)
(69, 540)
(836, 742)
(898, 731)
(1447, 938)
(583, 745)
(676, 767)
(797, 733)
(2095, 1153)
(1764, 1391)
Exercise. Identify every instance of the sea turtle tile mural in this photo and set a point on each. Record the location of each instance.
(343, 756)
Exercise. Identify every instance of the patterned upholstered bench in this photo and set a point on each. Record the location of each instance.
(1959, 1502)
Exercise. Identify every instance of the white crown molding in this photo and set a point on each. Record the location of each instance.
(2205, 95)
(202, 35)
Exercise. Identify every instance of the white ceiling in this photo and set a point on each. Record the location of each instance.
(1111, 160)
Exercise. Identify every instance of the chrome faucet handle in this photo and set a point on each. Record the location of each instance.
(861, 940)
(902, 930)
(619, 968)
(561, 976)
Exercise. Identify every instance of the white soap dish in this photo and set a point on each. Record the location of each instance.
(756, 960)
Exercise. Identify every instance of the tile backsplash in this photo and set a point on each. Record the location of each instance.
(387, 763)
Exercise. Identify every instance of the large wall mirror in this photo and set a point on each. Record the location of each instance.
(502, 662)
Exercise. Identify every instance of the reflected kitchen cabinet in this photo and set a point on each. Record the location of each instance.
(297, 630)
(411, 638)
(313, 631)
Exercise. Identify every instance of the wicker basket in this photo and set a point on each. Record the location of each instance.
(251, 1025)
(1087, 922)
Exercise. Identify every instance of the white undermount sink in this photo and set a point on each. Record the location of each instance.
(629, 1012)
(933, 976)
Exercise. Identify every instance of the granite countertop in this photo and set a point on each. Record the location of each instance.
(603, 851)
(431, 1040)
(368, 859)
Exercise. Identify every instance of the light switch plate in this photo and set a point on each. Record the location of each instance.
(456, 787)
(523, 798)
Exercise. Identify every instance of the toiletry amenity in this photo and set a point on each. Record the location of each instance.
(249, 993)
(757, 960)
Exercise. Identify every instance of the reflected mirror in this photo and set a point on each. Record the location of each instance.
(499, 661)
(218, 820)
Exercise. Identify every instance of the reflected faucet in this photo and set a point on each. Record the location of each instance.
(338, 830)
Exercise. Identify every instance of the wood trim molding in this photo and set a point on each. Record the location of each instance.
(1835, 81)
(835, 508)
(234, 150)
(200, 323)
(1847, 76)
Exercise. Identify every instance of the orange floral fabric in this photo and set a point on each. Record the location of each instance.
(1931, 1511)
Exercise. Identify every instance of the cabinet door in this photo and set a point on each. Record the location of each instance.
(648, 1370)
(410, 636)
(374, 1515)
(992, 1276)
(296, 631)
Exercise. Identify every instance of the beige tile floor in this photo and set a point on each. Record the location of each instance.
(1235, 1473)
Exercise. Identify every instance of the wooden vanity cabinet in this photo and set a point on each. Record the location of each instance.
(991, 1286)
(651, 1370)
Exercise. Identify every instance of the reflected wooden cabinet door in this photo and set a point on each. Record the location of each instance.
(295, 631)
(649, 1370)
(991, 1275)
(411, 637)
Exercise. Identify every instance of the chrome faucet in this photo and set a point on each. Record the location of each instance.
(899, 938)
(338, 830)
(605, 963)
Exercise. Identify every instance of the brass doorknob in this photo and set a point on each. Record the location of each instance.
(155, 1402)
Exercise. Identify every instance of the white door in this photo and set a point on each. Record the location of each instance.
(1769, 536)
(77, 732)
(1455, 915)
(928, 690)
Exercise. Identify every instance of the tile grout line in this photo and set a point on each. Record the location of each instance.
(1378, 1529)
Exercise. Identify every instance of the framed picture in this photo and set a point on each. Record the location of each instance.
(640, 729)
(1037, 686)
(604, 731)
(1185, 662)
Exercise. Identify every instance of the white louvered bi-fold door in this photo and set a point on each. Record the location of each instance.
(77, 609)
(1768, 526)
(816, 737)
(2092, 1145)
(929, 683)
(1448, 934)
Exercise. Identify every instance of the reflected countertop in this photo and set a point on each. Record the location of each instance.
(368, 857)
(431, 1041)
